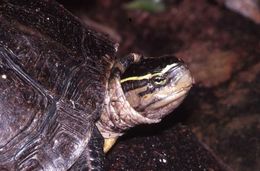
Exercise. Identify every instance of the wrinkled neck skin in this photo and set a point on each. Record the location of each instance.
(118, 115)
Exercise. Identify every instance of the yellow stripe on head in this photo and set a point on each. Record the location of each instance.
(149, 76)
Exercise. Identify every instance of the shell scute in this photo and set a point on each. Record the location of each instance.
(53, 74)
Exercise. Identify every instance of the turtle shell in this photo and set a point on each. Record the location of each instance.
(53, 78)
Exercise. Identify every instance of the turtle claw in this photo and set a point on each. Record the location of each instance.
(108, 144)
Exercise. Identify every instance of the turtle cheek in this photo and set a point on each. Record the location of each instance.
(134, 98)
(146, 100)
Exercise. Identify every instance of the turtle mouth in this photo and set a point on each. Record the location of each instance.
(174, 92)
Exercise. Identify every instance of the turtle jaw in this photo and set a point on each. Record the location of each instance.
(169, 97)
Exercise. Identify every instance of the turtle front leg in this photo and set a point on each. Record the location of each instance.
(123, 63)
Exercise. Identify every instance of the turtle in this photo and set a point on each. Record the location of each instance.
(65, 94)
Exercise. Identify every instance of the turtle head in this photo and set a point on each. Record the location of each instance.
(142, 90)
(154, 87)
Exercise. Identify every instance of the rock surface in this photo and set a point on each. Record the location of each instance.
(173, 150)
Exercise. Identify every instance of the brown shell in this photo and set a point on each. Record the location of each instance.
(53, 74)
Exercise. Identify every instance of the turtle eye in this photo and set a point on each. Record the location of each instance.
(159, 81)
